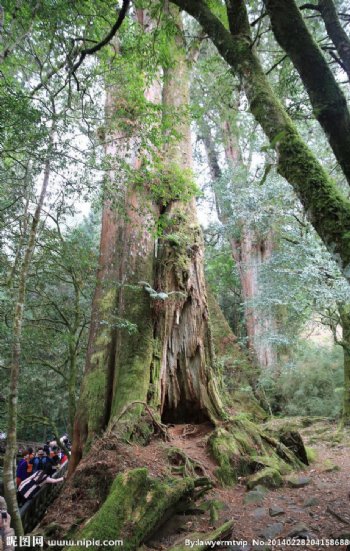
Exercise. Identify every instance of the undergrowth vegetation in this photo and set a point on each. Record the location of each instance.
(309, 384)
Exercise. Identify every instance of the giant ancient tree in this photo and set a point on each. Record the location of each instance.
(150, 345)
(155, 282)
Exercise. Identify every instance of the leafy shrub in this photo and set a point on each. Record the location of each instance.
(310, 384)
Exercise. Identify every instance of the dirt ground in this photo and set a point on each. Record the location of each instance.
(317, 511)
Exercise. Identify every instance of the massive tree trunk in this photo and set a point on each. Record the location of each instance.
(250, 250)
(120, 346)
(158, 287)
(187, 384)
(327, 208)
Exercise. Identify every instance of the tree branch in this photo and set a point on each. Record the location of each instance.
(336, 33)
(327, 207)
(74, 52)
(326, 97)
(106, 39)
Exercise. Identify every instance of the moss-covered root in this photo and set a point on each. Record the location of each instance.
(205, 541)
(136, 506)
(242, 448)
(182, 464)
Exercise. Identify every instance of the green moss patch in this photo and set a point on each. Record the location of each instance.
(269, 477)
(242, 449)
(311, 454)
(135, 507)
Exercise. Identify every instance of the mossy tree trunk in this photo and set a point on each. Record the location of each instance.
(135, 508)
(327, 99)
(344, 311)
(120, 343)
(157, 286)
(187, 384)
(327, 208)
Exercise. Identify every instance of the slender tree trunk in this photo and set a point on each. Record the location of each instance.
(251, 253)
(11, 442)
(327, 99)
(73, 344)
(328, 209)
(336, 32)
(23, 235)
(72, 385)
(345, 323)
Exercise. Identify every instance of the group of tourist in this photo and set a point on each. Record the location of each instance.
(36, 469)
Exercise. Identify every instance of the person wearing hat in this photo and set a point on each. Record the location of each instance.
(40, 460)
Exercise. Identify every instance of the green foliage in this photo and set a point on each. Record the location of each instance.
(167, 182)
(223, 278)
(55, 327)
(309, 385)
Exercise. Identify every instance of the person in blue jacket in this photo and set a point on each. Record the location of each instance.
(40, 460)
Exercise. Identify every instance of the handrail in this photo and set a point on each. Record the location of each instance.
(33, 510)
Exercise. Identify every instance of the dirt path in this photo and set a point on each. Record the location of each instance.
(317, 511)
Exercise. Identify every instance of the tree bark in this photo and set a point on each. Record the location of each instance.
(344, 312)
(187, 383)
(160, 288)
(251, 252)
(118, 363)
(11, 441)
(327, 99)
(327, 208)
(336, 32)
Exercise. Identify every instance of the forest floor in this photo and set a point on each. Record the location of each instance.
(317, 510)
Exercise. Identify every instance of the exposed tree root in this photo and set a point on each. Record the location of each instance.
(241, 448)
(137, 506)
(185, 465)
(159, 426)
